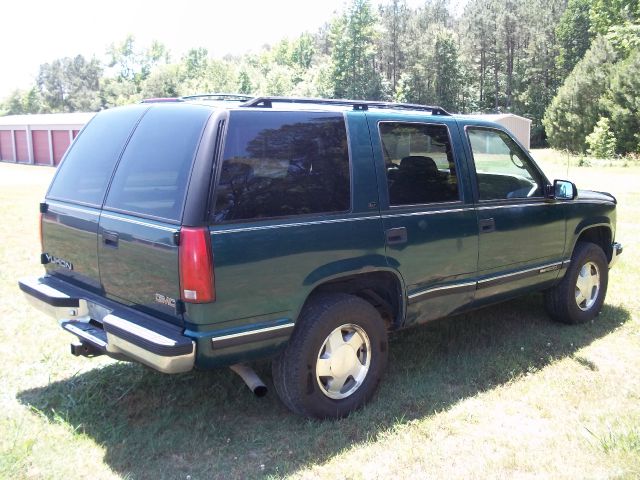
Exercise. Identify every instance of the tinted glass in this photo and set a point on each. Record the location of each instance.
(503, 169)
(153, 174)
(87, 168)
(283, 163)
(419, 163)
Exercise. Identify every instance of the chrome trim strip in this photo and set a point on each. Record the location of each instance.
(429, 212)
(287, 225)
(138, 222)
(519, 272)
(514, 205)
(445, 287)
(77, 209)
(252, 332)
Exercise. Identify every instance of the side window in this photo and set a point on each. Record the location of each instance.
(419, 163)
(503, 169)
(153, 173)
(283, 163)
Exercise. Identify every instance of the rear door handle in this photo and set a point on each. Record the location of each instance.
(396, 236)
(110, 239)
(487, 225)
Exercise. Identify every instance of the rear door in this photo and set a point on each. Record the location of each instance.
(137, 246)
(430, 224)
(73, 202)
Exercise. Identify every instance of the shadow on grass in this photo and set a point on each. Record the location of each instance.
(208, 425)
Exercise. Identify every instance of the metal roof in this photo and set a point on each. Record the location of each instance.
(494, 117)
(76, 118)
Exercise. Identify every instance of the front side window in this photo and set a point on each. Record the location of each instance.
(503, 169)
(419, 163)
(279, 164)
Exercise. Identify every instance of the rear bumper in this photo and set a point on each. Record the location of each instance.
(615, 253)
(112, 328)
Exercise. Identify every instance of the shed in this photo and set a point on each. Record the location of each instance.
(519, 126)
(40, 139)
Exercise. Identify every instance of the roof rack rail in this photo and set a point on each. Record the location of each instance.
(267, 102)
(238, 97)
(161, 100)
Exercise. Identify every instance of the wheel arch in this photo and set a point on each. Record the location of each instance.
(599, 233)
(384, 289)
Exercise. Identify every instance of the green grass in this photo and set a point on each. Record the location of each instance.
(498, 393)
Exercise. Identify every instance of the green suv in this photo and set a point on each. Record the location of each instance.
(188, 235)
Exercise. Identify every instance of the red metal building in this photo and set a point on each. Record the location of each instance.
(39, 139)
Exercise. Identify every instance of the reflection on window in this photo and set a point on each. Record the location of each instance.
(283, 163)
(419, 163)
(503, 169)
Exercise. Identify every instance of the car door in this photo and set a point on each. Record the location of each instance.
(522, 233)
(430, 225)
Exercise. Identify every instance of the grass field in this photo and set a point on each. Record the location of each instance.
(499, 393)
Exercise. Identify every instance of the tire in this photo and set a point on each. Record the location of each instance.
(579, 296)
(335, 357)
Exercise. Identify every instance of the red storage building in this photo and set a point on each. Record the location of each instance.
(40, 139)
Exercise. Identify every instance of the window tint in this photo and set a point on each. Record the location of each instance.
(419, 163)
(503, 169)
(283, 163)
(87, 168)
(153, 173)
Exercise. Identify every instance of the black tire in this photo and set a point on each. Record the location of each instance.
(562, 301)
(294, 370)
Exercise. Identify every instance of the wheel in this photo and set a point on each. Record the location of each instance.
(580, 294)
(334, 359)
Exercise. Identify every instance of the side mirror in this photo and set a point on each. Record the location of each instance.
(564, 190)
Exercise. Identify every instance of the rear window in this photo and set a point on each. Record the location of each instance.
(153, 173)
(281, 164)
(84, 175)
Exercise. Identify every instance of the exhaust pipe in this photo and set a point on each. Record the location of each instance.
(251, 378)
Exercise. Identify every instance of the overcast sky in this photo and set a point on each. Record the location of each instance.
(38, 31)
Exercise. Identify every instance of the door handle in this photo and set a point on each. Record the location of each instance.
(110, 239)
(396, 236)
(487, 225)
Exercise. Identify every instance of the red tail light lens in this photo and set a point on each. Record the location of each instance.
(196, 266)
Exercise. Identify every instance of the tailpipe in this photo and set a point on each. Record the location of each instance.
(251, 378)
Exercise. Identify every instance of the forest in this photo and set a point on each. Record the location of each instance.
(571, 66)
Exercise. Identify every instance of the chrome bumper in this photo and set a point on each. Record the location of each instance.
(119, 332)
(615, 253)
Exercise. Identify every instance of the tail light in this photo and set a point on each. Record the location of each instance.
(196, 266)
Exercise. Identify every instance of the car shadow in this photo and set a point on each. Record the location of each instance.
(208, 424)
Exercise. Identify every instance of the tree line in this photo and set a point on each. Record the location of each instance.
(571, 66)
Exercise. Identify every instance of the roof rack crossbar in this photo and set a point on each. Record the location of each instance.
(267, 102)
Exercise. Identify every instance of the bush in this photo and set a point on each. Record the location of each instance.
(602, 141)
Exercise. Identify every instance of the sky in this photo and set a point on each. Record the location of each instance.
(38, 31)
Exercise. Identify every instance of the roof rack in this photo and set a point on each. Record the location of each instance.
(230, 97)
(267, 102)
(161, 100)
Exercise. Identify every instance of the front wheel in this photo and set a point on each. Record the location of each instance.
(335, 357)
(579, 296)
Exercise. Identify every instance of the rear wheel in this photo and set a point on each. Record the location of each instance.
(579, 296)
(335, 357)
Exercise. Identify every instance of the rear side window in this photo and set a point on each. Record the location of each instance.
(283, 163)
(84, 175)
(419, 163)
(153, 174)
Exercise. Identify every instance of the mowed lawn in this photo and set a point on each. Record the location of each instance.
(498, 393)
